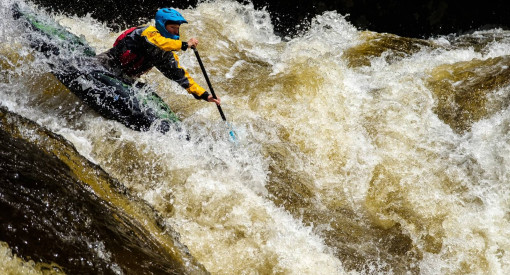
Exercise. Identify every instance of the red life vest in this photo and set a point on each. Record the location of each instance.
(129, 60)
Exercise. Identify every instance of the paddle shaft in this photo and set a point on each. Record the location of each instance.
(208, 82)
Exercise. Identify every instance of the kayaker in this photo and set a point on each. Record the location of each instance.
(139, 49)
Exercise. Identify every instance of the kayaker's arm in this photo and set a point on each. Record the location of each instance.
(173, 70)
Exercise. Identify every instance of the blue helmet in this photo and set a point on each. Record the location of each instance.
(167, 14)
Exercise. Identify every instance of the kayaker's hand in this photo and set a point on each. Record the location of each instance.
(193, 43)
(210, 98)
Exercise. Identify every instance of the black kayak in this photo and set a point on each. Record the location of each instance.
(73, 63)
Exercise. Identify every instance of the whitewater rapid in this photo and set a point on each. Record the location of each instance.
(359, 152)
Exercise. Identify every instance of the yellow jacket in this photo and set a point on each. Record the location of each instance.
(139, 49)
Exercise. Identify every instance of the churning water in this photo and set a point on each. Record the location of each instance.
(358, 152)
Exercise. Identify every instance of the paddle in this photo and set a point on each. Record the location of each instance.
(232, 133)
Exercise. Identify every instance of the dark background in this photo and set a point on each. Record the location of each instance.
(420, 19)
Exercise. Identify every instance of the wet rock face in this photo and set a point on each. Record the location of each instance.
(417, 19)
(49, 215)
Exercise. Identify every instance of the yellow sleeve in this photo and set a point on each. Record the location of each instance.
(186, 81)
(193, 88)
(153, 36)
